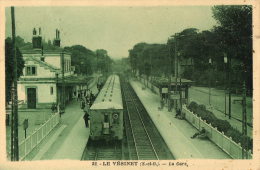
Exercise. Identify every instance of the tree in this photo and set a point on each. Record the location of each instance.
(9, 64)
(82, 58)
(235, 35)
(104, 62)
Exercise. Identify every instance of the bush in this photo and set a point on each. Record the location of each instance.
(193, 106)
(210, 117)
(221, 125)
(238, 137)
(202, 107)
(235, 134)
(246, 142)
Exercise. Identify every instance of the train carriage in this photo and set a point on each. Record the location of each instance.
(106, 113)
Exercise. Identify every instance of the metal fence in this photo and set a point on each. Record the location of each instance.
(225, 143)
(32, 141)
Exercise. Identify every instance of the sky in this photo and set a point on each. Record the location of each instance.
(115, 29)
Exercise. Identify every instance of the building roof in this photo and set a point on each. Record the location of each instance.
(165, 81)
(75, 79)
(47, 49)
(110, 95)
(42, 63)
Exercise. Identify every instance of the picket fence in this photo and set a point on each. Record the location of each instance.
(225, 143)
(27, 145)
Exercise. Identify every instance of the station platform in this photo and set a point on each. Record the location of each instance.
(176, 133)
(70, 137)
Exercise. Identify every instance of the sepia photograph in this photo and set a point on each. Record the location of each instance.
(128, 84)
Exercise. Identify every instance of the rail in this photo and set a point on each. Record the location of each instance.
(101, 150)
(135, 135)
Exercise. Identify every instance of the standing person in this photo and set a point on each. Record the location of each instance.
(178, 114)
(86, 115)
(82, 104)
(99, 86)
(53, 108)
(60, 109)
(86, 118)
(91, 98)
(74, 94)
(79, 95)
(85, 92)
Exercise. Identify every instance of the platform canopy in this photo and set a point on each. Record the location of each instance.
(162, 82)
(75, 80)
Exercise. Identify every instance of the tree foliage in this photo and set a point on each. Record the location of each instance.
(232, 36)
(86, 61)
(9, 65)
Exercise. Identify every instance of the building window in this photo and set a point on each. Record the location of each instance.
(106, 118)
(51, 90)
(30, 70)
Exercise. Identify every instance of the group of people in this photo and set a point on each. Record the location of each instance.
(57, 108)
(86, 98)
(100, 85)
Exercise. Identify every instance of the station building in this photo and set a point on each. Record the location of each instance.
(39, 85)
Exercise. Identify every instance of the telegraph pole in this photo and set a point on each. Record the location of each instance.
(63, 84)
(244, 118)
(176, 68)
(175, 62)
(14, 126)
(229, 88)
(209, 79)
(225, 67)
(170, 71)
(244, 121)
(180, 95)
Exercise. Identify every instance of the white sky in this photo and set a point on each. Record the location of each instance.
(116, 29)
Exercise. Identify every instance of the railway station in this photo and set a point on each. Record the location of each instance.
(127, 123)
(170, 92)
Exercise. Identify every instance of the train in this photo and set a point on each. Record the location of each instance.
(106, 113)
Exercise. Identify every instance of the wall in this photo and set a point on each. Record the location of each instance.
(43, 96)
(53, 60)
(41, 72)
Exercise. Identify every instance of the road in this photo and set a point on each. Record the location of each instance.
(201, 95)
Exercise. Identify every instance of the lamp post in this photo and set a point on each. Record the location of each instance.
(244, 122)
(150, 67)
(244, 119)
(175, 67)
(229, 88)
(180, 94)
(63, 83)
(210, 62)
(170, 71)
(225, 66)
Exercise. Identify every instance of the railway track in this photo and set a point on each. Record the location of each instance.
(102, 150)
(144, 140)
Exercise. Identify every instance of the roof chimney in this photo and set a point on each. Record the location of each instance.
(56, 41)
(37, 39)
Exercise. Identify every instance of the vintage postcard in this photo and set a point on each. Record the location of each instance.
(129, 84)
